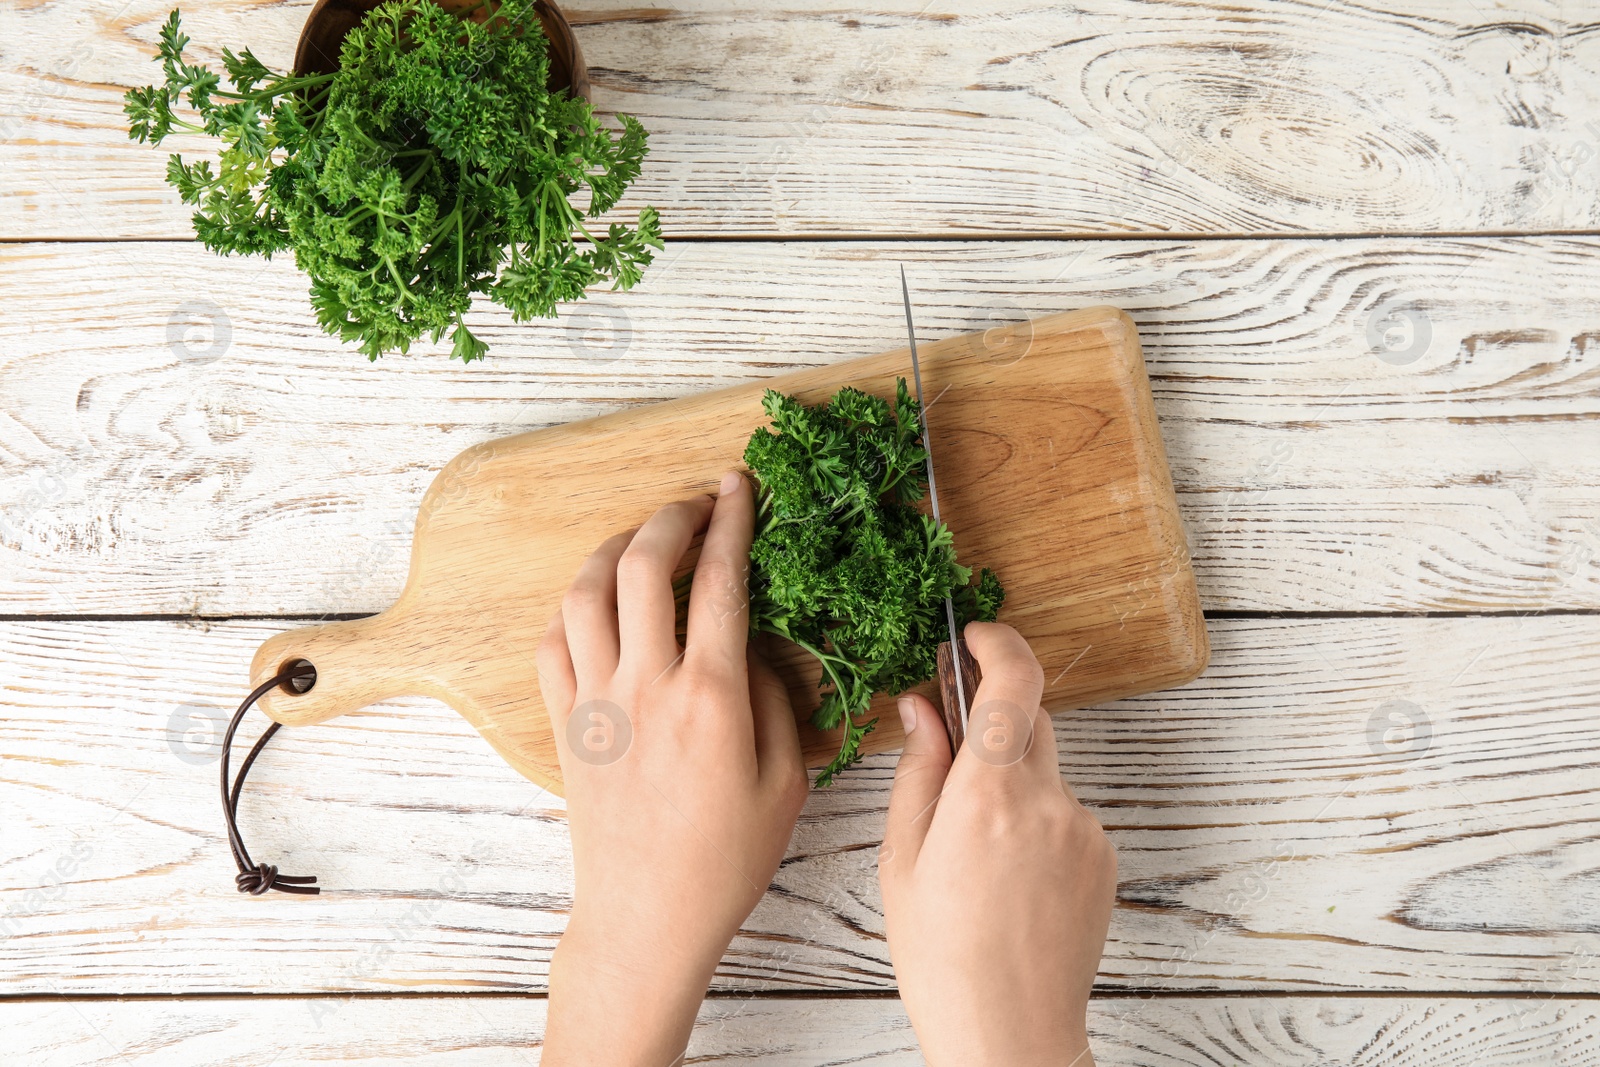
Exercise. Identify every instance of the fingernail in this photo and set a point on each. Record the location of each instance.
(908, 713)
(730, 483)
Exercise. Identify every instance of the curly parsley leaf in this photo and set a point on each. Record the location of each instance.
(433, 166)
(842, 565)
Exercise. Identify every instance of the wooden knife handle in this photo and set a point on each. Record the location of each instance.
(949, 662)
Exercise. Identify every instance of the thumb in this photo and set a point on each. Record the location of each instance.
(918, 781)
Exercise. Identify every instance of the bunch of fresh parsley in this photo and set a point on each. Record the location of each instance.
(433, 165)
(842, 565)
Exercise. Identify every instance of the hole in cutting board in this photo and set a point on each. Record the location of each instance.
(299, 683)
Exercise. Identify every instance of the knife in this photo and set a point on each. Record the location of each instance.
(958, 671)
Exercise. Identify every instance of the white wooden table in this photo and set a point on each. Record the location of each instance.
(1360, 241)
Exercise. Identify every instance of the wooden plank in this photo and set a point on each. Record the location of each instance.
(1249, 1031)
(1401, 804)
(1352, 425)
(1111, 117)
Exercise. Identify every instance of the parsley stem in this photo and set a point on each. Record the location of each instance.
(461, 236)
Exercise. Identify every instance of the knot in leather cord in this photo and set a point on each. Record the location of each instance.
(256, 878)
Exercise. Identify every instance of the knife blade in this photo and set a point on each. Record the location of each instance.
(957, 668)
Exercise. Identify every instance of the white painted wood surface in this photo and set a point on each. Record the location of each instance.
(178, 436)
(1339, 804)
(1398, 807)
(1020, 116)
(505, 1032)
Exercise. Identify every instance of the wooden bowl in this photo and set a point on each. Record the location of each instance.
(330, 20)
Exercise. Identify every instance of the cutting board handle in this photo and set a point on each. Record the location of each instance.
(359, 662)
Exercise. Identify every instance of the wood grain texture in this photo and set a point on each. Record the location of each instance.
(1373, 425)
(505, 1032)
(1109, 117)
(1391, 425)
(1052, 474)
(1344, 804)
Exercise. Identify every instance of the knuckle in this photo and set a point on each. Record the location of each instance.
(769, 687)
(1024, 672)
(1001, 643)
(1068, 828)
(914, 766)
(1089, 817)
(547, 655)
(1088, 838)
(1017, 680)
(619, 540)
(1001, 821)
(1057, 826)
(912, 763)
(796, 788)
(702, 687)
(679, 512)
(1059, 821)
(711, 671)
(639, 563)
(720, 576)
(580, 598)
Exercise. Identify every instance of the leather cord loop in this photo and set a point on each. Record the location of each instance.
(256, 878)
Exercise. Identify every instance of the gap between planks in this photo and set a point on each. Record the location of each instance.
(1119, 993)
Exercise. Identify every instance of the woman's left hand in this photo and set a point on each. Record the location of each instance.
(683, 780)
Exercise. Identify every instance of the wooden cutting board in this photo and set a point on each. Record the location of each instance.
(1051, 472)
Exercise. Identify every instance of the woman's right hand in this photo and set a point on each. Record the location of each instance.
(997, 884)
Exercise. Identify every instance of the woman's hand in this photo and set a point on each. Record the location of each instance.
(683, 779)
(997, 884)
